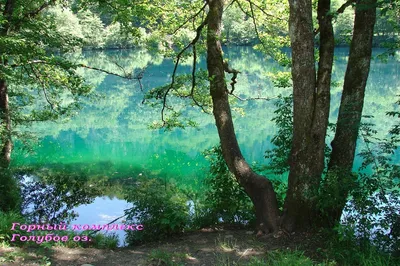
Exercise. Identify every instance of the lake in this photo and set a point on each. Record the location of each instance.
(110, 136)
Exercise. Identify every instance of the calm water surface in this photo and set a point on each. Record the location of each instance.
(110, 136)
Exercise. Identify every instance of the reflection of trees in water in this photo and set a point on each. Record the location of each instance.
(51, 196)
(114, 127)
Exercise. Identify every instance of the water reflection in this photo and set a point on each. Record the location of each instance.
(110, 138)
(102, 211)
(115, 128)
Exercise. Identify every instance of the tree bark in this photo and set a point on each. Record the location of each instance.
(7, 13)
(311, 96)
(352, 101)
(258, 188)
(5, 127)
(324, 75)
(5, 120)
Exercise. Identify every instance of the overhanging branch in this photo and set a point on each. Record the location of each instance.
(190, 18)
(128, 76)
(178, 58)
(264, 12)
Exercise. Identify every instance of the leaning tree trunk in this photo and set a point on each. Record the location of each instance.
(5, 127)
(311, 98)
(258, 188)
(351, 106)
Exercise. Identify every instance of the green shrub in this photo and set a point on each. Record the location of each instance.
(225, 200)
(10, 199)
(102, 241)
(278, 156)
(6, 221)
(162, 209)
(347, 249)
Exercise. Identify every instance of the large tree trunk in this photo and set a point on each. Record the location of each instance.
(258, 188)
(5, 127)
(311, 97)
(351, 106)
(5, 120)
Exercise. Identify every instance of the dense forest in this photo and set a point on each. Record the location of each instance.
(210, 132)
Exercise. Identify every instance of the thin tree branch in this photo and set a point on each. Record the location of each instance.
(345, 5)
(37, 75)
(194, 79)
(36, 12)
(178, 58)
(125, 76)
(242, 9)
(194, 65)
(138, 77)
(32, 14)
(265, 13)
(229, 5)
(29, 63)
(252, 16)
(256, 29)
(190, 18)
(251, 98)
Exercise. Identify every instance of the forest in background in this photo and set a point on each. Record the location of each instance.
(99, 30)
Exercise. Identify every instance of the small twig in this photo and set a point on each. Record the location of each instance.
(252, 98)
(125, 76)
(189, 19)
(265, 13)
(95, 231)
(229, 5)
(29, 63)
(120, 67)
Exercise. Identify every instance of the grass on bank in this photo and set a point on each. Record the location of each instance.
(98, 240)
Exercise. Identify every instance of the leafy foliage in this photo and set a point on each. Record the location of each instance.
(279, 156)
(375, 202)
(225, 200)
(6, 221)
(42, 86)
(161, 207)
(238, 29)
(374, 190)
(10, 194)
(345, 248)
